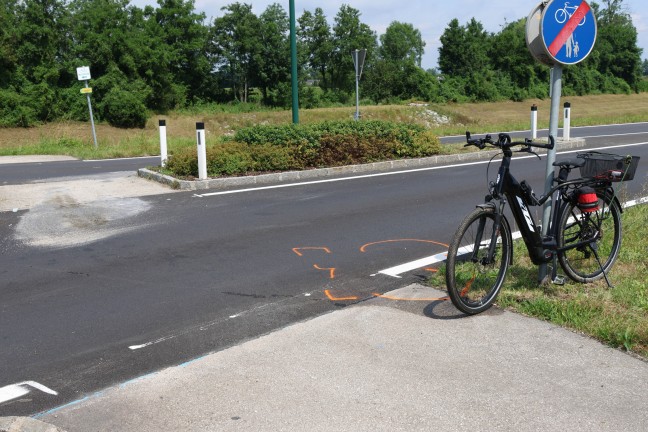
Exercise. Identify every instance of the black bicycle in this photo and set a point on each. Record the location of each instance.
(584, 233)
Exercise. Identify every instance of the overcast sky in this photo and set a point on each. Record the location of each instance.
(431, 17)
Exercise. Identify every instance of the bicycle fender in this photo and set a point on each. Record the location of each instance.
(609, 194)
(487, 206)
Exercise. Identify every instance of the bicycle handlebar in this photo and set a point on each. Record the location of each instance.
(504, 141)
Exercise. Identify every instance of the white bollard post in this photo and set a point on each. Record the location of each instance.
(567, 122)
(202, 151)
(534, 121)
(163, 143)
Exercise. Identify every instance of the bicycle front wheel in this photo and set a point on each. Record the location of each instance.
(478, 258)
(593, 239)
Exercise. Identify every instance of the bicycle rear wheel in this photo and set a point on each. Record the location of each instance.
(473, 278)
(598, 236)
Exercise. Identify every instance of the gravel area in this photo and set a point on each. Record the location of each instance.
(75, 211)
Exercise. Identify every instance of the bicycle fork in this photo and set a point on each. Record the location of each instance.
(492, 242)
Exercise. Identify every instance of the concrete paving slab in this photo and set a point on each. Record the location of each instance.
(386, 365)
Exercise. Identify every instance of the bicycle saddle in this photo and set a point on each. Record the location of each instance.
(570, 163)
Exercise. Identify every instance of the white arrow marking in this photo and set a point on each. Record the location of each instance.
(15, 391)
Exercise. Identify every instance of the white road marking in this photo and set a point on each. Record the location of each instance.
(398, 270)
(615, 135)
(391, 173)
(15, 391)
(560, 129)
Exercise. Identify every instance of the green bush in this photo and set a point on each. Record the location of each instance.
(642, 86)
(293, 147)
(183, 162)
(229, 159)
(124, 109)
(15, 110)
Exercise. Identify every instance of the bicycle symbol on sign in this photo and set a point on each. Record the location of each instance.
(566, 12)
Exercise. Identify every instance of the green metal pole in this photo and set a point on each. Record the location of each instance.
(293, 52)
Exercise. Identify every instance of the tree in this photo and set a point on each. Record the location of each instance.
(41, 36)
(274, 57)
(402, 42)
(510, 56)
(8, 42)
(463, 56)
(618, 53)
(185, 38)
(464, 49)
(235, 44)
(349, 34)
(397, 73)
(316, 44)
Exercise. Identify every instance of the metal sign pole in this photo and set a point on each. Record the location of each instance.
(94, 133)
(293, 64)
(358, 63)
(357, 83)
(556, 90)
(558, 35)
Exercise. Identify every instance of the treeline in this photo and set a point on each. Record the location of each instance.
(166, 57)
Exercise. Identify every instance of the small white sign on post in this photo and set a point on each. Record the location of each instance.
(83, 73)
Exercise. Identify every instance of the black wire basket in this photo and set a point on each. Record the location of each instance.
(608, 166)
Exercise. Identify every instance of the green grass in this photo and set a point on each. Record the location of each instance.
(75, 138)
(616, 316)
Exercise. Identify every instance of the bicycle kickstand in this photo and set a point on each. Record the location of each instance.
(555, 279)
(598, 260)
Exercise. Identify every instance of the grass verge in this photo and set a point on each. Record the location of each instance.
(75, 139)
(616, 316)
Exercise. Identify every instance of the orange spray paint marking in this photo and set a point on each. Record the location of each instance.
(331, 270)
(330, 297)
(433, 270)
(364, 248)
(297, 250)
(467, 287)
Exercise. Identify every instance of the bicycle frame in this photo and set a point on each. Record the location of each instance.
(508, 189)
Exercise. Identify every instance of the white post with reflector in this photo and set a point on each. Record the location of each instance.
(163, 143)
(202, 151)
(534, 121)
(567, 122)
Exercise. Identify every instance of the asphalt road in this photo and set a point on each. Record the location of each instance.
(197, 274)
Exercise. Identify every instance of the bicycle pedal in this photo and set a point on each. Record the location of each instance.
(558, 280)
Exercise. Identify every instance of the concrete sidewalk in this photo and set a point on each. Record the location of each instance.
(386, 365)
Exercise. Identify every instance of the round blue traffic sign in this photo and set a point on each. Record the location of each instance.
(568, 30)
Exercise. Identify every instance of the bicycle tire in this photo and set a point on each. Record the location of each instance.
(603, 227)
(472, 283)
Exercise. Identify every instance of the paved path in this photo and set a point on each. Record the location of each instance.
(386, 366)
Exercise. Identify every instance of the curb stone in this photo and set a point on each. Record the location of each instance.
(26, 424)
(266, 179)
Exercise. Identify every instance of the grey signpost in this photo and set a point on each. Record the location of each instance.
(358, 62)
(83, 74)
(558, 34)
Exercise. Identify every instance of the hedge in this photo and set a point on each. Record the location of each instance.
(297, 147)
